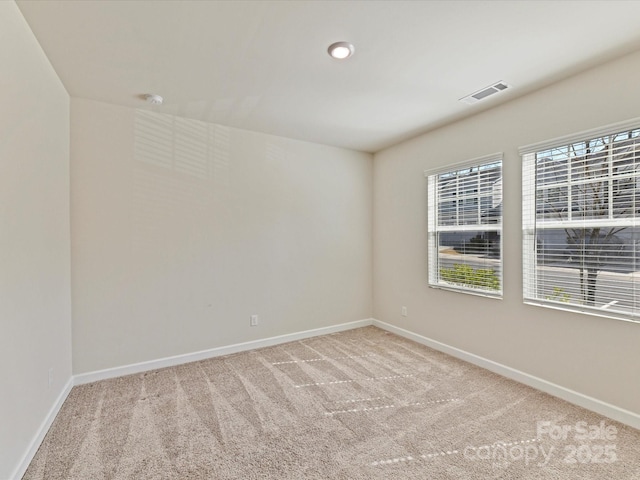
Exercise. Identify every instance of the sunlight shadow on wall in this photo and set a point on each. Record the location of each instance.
(193, 147)
(180, 177)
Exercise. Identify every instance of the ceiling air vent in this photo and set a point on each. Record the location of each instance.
(485, 92)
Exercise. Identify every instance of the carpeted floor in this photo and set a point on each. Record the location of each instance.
(362, 404)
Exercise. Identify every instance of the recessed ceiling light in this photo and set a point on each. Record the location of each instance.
(341, 50)
(153, 99)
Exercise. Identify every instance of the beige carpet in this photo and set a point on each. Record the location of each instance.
(362, 404)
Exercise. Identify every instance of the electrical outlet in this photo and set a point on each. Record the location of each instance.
(254, 320)
(50, 377)
(404, 311)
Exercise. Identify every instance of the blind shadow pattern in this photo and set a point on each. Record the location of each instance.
(188, 146)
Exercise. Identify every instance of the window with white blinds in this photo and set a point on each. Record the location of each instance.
(581, 222)
(465, 226)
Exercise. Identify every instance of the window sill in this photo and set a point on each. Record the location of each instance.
(468, 291)
(595, 312)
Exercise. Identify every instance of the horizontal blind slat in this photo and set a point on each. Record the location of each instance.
(465, 225)
(581, 221)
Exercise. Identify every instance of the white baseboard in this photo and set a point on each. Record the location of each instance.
(89, 377)
(616, 413)
(42, 431)
(608, 410)
(161, 363)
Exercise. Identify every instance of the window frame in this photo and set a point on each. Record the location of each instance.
(433, 229)
(531, 223)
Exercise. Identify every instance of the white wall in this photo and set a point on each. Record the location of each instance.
(35, 298)
(182, 229)
(591, 355)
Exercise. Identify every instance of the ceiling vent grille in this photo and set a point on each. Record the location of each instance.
(485, 92)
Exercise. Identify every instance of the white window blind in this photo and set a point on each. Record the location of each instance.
(581, 222)
(465, 226)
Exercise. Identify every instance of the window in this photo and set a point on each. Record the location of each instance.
(581, 222)
(465, 226)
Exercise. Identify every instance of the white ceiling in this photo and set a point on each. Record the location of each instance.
(263, 66)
